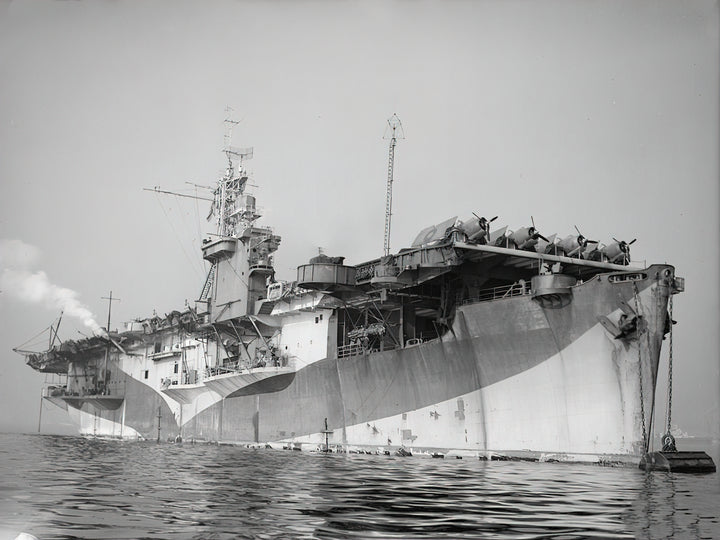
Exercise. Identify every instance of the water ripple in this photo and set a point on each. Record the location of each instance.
(65, 487)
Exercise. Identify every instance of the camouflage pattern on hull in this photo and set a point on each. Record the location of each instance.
(512, 375)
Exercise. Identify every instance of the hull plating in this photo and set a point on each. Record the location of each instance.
(511, 375)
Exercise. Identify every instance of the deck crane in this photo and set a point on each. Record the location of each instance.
(395, 131)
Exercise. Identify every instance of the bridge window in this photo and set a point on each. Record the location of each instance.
(147, 372)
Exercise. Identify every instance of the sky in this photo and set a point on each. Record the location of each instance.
(596, 114)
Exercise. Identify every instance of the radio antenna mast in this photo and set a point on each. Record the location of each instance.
(229, 125)
(395, 131)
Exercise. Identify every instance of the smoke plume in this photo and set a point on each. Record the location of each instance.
(18, 280)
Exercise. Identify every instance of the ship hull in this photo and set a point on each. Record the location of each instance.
(513, 376)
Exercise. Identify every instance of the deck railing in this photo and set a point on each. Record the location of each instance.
(519, 288)
(247, 367)
(62, 391)
(356, 349)
(352, 349)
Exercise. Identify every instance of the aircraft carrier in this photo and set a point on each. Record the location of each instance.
(476, 340)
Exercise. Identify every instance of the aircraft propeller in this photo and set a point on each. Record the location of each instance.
(535, 233)
(483, 233)
(582, 240)
(575, 245)
(527, 237)
(624, 248)
(618, 250)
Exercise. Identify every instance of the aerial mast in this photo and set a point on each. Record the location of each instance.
(110, 300)
(232, 184)
(229, 173)
(395, 131)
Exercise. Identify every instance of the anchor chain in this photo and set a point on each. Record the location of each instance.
(642, 396)
(668, 439)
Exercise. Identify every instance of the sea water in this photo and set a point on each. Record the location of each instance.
(69, 487)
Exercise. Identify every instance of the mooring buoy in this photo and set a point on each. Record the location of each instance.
(683, 462)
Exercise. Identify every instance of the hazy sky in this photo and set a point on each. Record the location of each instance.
(600, 114)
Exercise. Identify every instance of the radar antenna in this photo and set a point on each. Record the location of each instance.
(230, 124)
(231, 186)
(396, 131)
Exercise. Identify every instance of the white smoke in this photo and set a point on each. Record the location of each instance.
(18, 280)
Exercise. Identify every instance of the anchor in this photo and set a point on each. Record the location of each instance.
(670, 459)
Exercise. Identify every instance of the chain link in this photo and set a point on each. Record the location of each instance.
(642, 396)
(670, 366)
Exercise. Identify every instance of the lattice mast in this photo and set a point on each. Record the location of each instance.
(223, 227)
(229, 195)
(395, 132)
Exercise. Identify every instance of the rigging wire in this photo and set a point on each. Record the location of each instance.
(35, 337)
(189, 233)
(199, 229)
(177, 236)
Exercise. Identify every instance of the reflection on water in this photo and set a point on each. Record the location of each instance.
(64, 487)
(679, 505)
